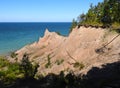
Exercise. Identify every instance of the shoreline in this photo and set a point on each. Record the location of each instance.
(86, 26)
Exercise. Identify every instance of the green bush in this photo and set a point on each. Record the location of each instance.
(78, 65)
(73, 25)
(9, 72)
(48, 64)
(13, 54)
(58, 33)
(3, 62)
(58, 62)
(27, 68)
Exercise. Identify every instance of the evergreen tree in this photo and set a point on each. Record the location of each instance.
(105, 13)
(106, 18)
(27, 68)
(74, 24)
(81, 18)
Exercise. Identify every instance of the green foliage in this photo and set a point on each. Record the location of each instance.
(58, 33)
(74, 24)
(13, 54)
(81, 18)
(9, 72)
(116, 25)
(78, 65)
(3, 62)
(49, 62)
(58, 62)
(27, 68)
(105, 13)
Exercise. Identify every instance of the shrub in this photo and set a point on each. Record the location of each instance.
(3, 62)
(13, 54)
(49, 62)
(27, 68)
(58, 62)
(58, 33)
(73, 25)
(78, 65)
(9, 72)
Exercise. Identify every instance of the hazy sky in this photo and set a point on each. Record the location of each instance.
(43, 10)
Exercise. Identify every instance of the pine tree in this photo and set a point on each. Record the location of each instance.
(74, 24)
(106, 13)
(27, 68)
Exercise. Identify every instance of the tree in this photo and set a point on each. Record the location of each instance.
(105, 13)
(74, 24)
(81, 18)
(27, 68)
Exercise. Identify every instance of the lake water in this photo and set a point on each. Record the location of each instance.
(14, 36)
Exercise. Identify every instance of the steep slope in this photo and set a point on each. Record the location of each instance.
(83, 47)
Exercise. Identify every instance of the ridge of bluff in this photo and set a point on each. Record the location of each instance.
(79, 46)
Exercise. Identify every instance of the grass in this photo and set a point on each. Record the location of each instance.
(116, 25)
(91, 23)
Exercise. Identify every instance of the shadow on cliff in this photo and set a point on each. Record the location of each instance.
(106, 77)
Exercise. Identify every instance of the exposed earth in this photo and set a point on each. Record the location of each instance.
(83, 49)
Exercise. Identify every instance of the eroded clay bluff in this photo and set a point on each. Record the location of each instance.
(79, 52)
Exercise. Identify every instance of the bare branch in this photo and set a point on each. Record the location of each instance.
(71, 56)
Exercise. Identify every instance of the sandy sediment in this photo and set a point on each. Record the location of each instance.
(80, 46)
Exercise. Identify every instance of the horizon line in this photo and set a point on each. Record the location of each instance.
(39, 22)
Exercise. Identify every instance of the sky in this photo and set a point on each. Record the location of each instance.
(43, 10)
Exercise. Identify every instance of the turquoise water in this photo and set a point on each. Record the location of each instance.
(14, 36)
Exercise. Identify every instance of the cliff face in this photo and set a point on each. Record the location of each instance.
(56, 53)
